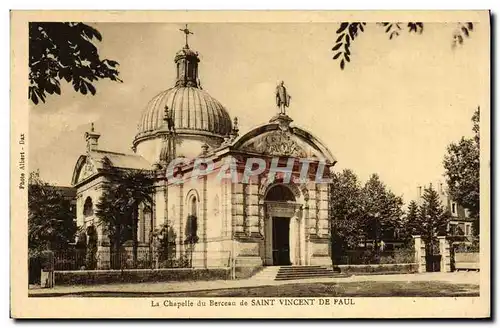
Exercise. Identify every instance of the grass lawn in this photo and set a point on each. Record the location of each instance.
(343, 289)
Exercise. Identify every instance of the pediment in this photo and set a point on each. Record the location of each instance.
(279, 143)
(88, 169)
(85, 167)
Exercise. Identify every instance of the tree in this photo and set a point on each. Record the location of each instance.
(51, 222)
(345, 211)
(382, 210)
(410, 223)
(81, 248)
(191, 233)
(461, 164)
(167, 245)
(349, 31)
(91, 250)
(117, 208)
(432, 220)
(65, 50)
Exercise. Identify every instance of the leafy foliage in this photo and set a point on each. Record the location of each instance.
(65, 51)
(191, 230)
(361, 213)
(461, 164)
(417, 27)
(346, 210)
(91, 251)
(123, 192)
(382, 210)
(463, 31)
(348, 31)
(167, 245)
(51, 222)
(410, 224)
(393, 29)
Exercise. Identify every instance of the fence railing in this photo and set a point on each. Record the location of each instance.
(105, 259)
(74, 259)
(363, 256)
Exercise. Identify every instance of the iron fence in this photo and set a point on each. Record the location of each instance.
(73, 259)
(105, 259)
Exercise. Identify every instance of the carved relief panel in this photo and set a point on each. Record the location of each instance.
(276, 143)
(87, 170)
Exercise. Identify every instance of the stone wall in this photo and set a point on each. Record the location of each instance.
(379, 268)
(138, 275)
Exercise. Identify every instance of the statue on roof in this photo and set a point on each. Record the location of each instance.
(282, 97)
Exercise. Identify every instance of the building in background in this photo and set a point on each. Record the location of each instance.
(460, 225)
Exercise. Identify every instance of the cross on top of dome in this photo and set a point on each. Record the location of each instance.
(186, 32)
(191, 110)
(187, 64)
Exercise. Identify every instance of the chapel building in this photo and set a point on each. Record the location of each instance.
(260, 221)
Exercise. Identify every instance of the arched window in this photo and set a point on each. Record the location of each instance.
(88, 207)
(192, 221)
(194, 206)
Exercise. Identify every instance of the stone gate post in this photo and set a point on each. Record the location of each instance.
(420, 253)
(444, 250)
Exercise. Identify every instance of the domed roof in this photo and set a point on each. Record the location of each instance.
(193, 111)
(186, 51)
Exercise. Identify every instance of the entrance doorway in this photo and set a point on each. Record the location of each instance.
(281, 241)
(284, 232)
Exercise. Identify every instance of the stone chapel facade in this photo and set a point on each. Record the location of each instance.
(247, 224)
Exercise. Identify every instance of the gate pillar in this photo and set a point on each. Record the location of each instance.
(444, 250)
(420, 253)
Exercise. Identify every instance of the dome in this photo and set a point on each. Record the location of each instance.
(186, 52)
(194, 112)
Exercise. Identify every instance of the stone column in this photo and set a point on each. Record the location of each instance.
(302, 238)
(312, 213)
(322, 210)
(160, 206)
(307, 234)
(237, 209)
(205, 221)
(252, 204)
(180, 250)
(420, 253)
(444, 250)
(268, 237)
(293, 240)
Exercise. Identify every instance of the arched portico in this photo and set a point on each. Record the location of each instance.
(284, 225)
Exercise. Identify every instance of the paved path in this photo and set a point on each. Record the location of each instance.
(184, 286)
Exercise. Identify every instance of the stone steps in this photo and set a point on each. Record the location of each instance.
(267, 273)
(306, 272)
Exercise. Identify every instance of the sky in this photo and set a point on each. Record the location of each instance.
(392, 111)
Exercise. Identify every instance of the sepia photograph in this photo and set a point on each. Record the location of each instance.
(258, 165)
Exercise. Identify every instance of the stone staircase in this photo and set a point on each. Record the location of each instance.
(296, 272)
(306, 272)
(267, 273)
